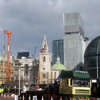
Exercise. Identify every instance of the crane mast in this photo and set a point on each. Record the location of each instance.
(8, 52)
(3, 62)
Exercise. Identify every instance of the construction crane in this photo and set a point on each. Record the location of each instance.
(3, 63)
(8, 52)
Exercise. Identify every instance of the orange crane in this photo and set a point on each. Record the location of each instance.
(8, 52)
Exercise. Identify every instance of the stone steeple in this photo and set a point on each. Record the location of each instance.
(44, 44)
(44, 63)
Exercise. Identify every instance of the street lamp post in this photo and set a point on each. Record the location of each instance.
(19, 80)
(97, 63)
(23, 79)
(15, 89)
(97, 58)
(18, 65)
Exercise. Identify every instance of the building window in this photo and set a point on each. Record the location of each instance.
(44, 59)
(43, 68)
(66, 82)
(43, 82)
(55, 75)
(47, 75)
(51, 75)
(43, 75)
(71, 82)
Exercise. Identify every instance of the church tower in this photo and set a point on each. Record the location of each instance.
(44, 63)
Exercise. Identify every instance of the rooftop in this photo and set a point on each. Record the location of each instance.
(58, 65)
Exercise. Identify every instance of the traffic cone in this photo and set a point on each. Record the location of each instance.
(12, 97)
(4, 95)
(1, 94)
(51, 98)
(70, 98)
(42, 97)
(23, 97)
(8, 96)
(29, 97)
(60, 97)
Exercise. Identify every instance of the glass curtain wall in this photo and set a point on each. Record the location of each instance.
(92, 58)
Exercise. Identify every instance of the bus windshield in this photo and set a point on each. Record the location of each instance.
(81, 83)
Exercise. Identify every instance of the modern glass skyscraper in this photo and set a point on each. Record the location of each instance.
(58, 50)
(92, 58)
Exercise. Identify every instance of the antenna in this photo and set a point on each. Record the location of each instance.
(35, 50)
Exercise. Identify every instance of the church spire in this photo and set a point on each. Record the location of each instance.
(45, 36)
(44, 44)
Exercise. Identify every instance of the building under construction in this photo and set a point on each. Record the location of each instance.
(3, 69)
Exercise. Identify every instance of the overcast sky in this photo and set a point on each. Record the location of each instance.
(28, 20)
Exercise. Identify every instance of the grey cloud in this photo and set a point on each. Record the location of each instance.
(30, 19)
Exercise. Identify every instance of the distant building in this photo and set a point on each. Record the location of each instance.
(26, 65)
(92, 58)
(56, 70)
(58, 51)
(47, 73)
(74, 41)
(44, 63)
(35, 71)
(22, 54)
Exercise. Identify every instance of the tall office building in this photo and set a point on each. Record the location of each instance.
(58, 51)
(74, 44)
